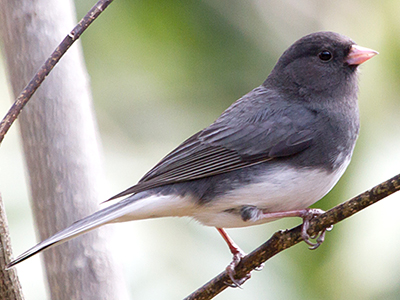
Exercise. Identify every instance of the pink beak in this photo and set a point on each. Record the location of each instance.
(358, 55)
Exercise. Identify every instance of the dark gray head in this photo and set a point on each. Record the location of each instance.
(319, 64)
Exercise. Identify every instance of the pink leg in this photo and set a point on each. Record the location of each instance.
(238, 254)
(306, 214)
(235, 250)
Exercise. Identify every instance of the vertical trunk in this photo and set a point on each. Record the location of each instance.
(61, 147)
(10, 288)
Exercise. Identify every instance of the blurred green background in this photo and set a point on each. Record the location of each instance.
(162, 70)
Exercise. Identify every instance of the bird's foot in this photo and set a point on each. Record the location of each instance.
(230, 270)
(319, 237)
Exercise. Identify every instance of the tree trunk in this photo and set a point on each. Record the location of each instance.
(61, 147)
(10, 288)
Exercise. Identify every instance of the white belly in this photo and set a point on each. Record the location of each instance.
(289, 189)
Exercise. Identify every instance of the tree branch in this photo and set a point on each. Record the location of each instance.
(282, 240)
(46, 68)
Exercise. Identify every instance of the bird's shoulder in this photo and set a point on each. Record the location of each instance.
(261, 120)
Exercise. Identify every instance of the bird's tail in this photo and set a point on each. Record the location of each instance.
(135, 207)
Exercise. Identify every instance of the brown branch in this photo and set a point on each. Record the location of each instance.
(46, 68)
(282, 240)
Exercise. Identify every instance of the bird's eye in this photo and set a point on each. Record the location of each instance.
(325, 55)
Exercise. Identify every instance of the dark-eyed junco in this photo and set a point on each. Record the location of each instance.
(271, 154)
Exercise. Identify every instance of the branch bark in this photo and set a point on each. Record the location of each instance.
(10, 288)
(61, 147)
(282, 240)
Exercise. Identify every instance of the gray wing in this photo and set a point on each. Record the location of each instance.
(239, 138)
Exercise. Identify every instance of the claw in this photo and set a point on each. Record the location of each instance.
(230, 270)
(260, 267)
(320, 237)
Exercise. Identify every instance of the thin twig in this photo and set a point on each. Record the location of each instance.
(45, 69)
(282, 240)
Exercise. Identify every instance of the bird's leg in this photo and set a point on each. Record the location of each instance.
(252, 213)
(306, 214)
(238, 254)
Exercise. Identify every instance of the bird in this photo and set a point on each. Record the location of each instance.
(271, 154)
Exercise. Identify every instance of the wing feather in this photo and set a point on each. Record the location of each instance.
(259, 133)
